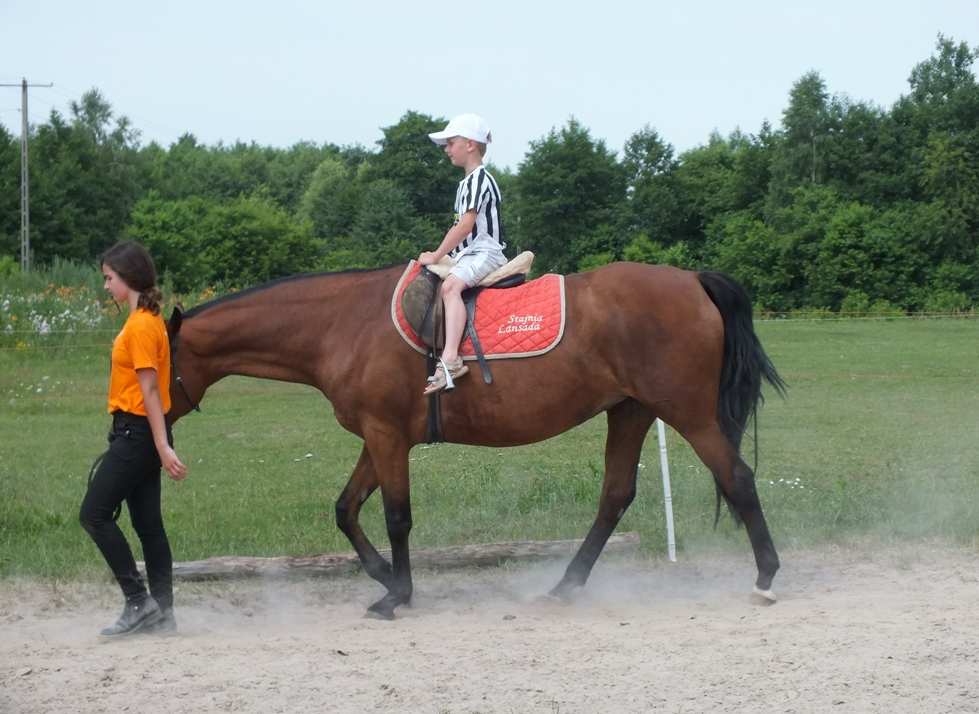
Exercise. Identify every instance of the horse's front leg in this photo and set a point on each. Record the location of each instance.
(361, 485)
(389, 455)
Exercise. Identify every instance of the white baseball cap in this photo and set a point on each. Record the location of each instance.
(468, 126)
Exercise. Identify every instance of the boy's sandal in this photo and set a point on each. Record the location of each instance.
(438, 381)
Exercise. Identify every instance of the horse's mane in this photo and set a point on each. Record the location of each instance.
(197, 309)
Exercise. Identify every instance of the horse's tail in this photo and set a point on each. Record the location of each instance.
(745, 362)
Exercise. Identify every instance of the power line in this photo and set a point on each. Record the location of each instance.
(138, 122)
(25, 201)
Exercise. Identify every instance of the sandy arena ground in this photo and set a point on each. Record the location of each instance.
(866, 630)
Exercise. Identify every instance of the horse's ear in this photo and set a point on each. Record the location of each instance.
(173, 324)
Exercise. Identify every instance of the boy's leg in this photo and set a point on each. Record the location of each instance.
(455, 323)
(455, 316)
(466, 273)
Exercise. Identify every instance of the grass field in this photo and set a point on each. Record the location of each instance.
(879, 437)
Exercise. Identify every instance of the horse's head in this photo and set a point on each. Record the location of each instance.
(186, 384)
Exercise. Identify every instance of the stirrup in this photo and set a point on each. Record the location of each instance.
(445, 376)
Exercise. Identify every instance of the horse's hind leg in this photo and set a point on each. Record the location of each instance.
(361, 485)
(628, 423)
(737, 482)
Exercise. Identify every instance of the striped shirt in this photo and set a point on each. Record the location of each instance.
(478, 192)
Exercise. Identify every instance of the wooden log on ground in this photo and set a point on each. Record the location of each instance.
(458, 556)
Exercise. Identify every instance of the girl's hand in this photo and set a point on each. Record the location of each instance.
(173, 465)
(427, 258)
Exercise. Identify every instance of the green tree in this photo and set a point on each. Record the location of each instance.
(410, 160)
(291, 170)
(387, 228)
(9, 193)
(171, 231)
(84, 180)
(946, 83)
(654, 205)
(806, 121)
(252, 239)
(918, 231)
(801, 227)
(950, 178)
(743, 246)
(643, 250)
(941, 116)
(570, 188)
(180, 171)
(851, 152)
(201, 241)
(706, 179)
(331, 199)
(943, 101)
(851, 256)
(751, 175)
(806, 124)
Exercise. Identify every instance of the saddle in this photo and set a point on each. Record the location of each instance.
(424, 311)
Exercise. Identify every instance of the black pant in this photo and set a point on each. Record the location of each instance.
(130, 472)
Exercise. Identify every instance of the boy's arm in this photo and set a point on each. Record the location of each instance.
(453, 237)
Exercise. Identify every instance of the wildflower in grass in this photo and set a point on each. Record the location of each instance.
(791, 483)
(40, 324)
(54, 310)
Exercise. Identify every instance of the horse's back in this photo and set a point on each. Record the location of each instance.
(644, 294)
(631, 276)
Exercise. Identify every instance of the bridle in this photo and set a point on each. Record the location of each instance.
(183, 389)
(180, 382)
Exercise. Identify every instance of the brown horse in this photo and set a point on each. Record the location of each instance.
(640, 342)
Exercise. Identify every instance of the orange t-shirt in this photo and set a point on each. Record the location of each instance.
(142, 343)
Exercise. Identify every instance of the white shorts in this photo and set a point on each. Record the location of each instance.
(473, 267)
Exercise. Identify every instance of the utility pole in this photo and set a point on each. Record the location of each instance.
(25, 197)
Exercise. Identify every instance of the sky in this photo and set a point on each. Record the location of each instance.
(277, 73)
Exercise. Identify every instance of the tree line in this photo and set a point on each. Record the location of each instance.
(845, 206)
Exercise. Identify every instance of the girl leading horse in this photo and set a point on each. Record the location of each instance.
(640, 342)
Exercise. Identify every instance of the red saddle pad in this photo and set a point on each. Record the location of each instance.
(524, 321)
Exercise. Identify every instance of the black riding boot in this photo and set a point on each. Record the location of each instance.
(166, 625)
(138, 613)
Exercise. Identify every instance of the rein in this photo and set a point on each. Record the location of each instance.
(180, 383)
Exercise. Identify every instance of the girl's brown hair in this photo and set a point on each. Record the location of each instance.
(133, 264)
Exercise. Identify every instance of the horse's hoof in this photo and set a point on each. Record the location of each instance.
(379, 613)
(383, 609)
(561, 594)
(763, 597)
(551, 599)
